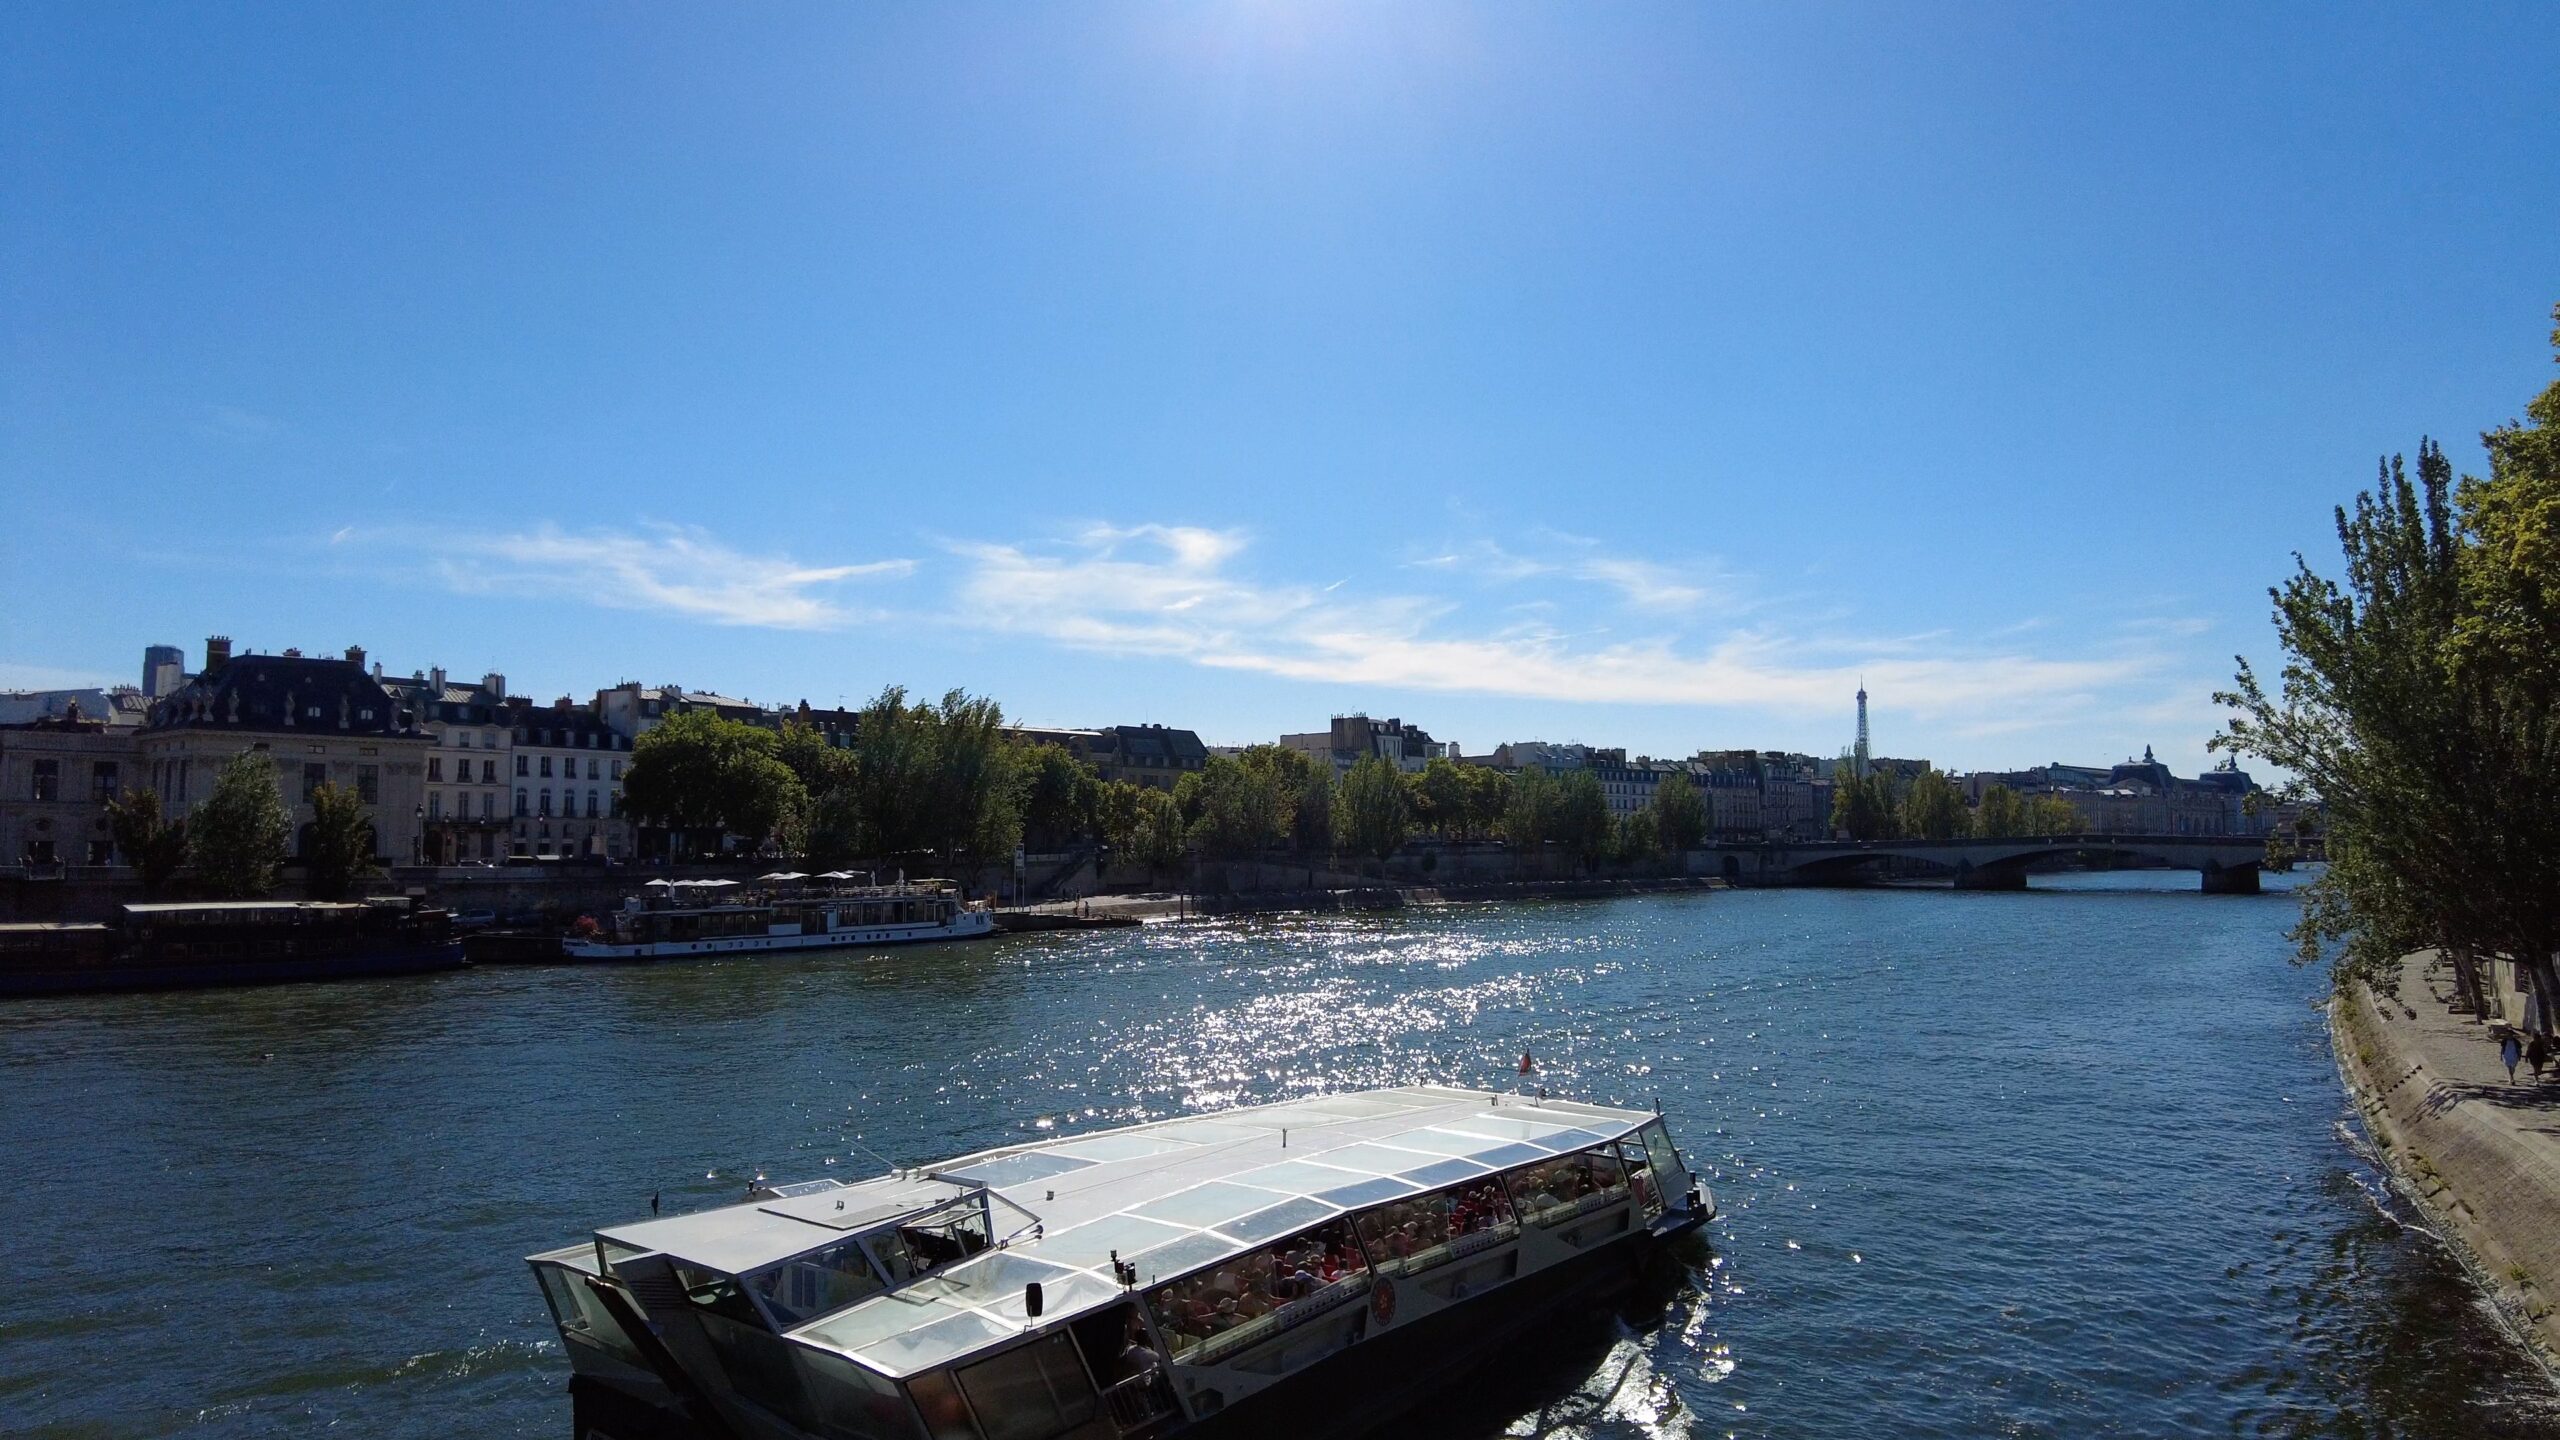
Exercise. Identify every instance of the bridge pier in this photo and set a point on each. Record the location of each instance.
(2230, 879)
(1990, 877)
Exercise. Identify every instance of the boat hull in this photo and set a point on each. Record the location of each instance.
(121, 975)
(1396, 1374)
(868, 938)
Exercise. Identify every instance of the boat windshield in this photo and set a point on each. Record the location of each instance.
(1569, 1184)
(821, 1282)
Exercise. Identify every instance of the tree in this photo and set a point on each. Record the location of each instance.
(817, 765)
(1448, 798)
(1582, 822)
(1488, 799)
(154, 846)
(1934, 809)
(1528, 815)
(831, 835)
(342, 843)
(1679, 814)
(1375, 817)
(1059, 796)
(2001, 814)
(2049, 815)
(238, 838)
(700, 774)
(2420, 703)
(1232, 808)
(1639, 837)
(1862, 808)
(1158, 840)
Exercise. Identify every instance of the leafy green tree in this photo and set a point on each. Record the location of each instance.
(154, 846)
(1231, 809)
(1060, 793)
(1639, 837)
(700, 775)
(1158, 840)
(1583, 825)
(1934, 809)
(830, 830)
(1376, 819)
(341, 852)
(1447, 798)
(2001, 814)
(2054, 815)
(1679, 814)
(2420, 704)
(1862, 808)
(894, 756)
(238, 838)
(817, 765)
(1529, 814)
(1488, 799)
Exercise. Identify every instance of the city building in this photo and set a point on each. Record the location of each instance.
(568, 765)
(2140, 797)
(632, 709)
(321, 721)
(470, 772)
(57, 773)
(1150, 755)
(1355, 737)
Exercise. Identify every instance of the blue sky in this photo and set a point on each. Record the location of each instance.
(1642, 375)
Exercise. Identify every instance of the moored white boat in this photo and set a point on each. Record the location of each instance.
(1231, 1272)
(697, 918)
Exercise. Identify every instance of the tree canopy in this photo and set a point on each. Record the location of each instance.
(341, 852)
(703, 776)
(1375, 817)
(2419, 702)
(149, 842)
(237, 839)
(1679, 814)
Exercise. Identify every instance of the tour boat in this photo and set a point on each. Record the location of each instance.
(227, 942)
(1289, 1269)
(693, 918)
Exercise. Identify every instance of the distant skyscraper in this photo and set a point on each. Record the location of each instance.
(1862, 729)
(164, 669)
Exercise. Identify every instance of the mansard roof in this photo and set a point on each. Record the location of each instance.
(283, 694)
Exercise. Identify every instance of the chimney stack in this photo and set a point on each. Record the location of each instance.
(217, 652)
(355, 656)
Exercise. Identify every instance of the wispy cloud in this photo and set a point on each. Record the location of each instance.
(1640, 584)
(671, 569)
(1182, 593)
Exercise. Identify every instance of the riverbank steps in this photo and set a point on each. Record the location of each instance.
(2479, 1154)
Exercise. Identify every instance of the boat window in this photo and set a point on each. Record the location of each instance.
(1260, 1292)
(1669, 1175)
(719, 1294)
(819, 1283)
(1568, 1184)
(1030, 1393)
(1407, 1236)
(930, 1242)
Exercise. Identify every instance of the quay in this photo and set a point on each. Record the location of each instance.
(2479, 1156)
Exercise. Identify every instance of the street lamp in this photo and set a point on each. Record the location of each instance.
(418, 837)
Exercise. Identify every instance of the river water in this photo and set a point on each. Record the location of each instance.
(2063, 1163)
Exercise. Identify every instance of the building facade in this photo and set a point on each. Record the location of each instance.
(320, 721)
(568, 766)
(1350, 739)
(470, 772)
(57, 776)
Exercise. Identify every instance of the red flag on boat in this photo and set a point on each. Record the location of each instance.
(1527, 1064)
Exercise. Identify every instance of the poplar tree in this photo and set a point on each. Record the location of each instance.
(238, 838)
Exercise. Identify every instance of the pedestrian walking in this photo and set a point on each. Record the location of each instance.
(2537, 1054)
(2511, 1052)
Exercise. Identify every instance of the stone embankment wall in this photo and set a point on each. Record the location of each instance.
(2480, 1155)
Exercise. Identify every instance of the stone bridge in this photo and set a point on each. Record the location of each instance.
(2228, 863)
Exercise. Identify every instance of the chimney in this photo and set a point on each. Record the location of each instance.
(217, 652)
(355, 656)
(494, 683)
(562, 703)
(435, 681)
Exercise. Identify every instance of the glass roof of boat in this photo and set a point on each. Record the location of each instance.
(1178, 1195)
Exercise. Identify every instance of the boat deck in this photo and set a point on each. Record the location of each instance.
(1169, 1197)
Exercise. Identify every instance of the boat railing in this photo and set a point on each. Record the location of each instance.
(1571, 1209)
(1140, 1401)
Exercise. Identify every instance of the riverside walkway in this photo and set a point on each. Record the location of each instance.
(2481, 1154)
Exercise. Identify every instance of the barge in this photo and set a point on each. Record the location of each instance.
(1314, 1266)
(227, 942)
(690, 919)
